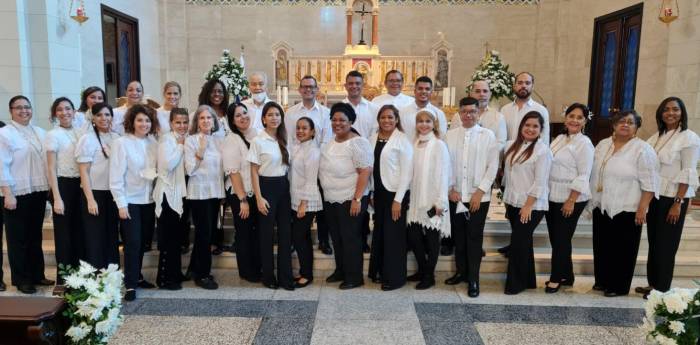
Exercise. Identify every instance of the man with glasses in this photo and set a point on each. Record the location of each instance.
(488, 117)
(257, 82)
(394, 84)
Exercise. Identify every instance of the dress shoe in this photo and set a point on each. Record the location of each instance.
(335, 277)
(45, 282)
(609, 293)
(27, 289)
(289, 287)
(504, 250)
(3, 287)
(130, 295)
(325, 248)
(415, 277)
(455, 279)
(299, 285)
(230, 249)
(251, 279)
(598, 287)
(646, 295)
(144, 284)
(207, 283)
(446, 250)
(425, 284)
(567, 282)
(473, 289)
(512, 292)
(348, 286)
(187, 276)
(171, 286)
(217, 251)
(386, 287)
(643, 289)
(271, 285)
(549, 289)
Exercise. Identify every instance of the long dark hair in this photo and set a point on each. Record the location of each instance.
(94, 110)
(281, 132)
(521, 140)
(89, 91)
(207, 88)
(349, 112)
(660, 114)
(56, 103)
(230, 118)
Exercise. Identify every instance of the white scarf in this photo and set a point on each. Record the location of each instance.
(426, 187)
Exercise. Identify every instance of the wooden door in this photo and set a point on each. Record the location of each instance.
(121, 52)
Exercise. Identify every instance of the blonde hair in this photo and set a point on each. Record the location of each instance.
(432, 117)
(171, 84)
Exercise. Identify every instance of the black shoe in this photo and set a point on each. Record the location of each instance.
(207, 283)
(335, 277)
(549, 289)
(299, 285)
(473, 289)
(231, 248)
(271, 285)
(646, 295)
(3, 287)
(567, 282)
(415, 277)
(251, 279)
(509, 292)
(145, 284)
(643, 289)
(446, 250)
(130, 295)
(217, 251)
(609, 293)
(325, 248)
(598, 287)
(504, 250)
(455, 279)
(289, 287)
(45, 282)
(27, 289)
(425, 284)
(348, 286)
(171, 286)
(365, 248)
(387, 287)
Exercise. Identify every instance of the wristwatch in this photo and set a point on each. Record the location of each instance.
(678, 200)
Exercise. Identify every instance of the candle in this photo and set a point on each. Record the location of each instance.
(285, 95)
(453, 93)
(445, 96)
(279, 94)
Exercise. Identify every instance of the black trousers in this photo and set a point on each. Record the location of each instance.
(425, 244)
(388, 255)
(561, 230)
(276, 191)
(24, 225)
(68, 232)
(301, 238)
(664, 239)
(346, 233)
(521, 257)
(186, 225)
(246, 238)
(204, 213)
(101, 231)
(616, 250)
(217, 236)
(169, 245)
(135, 229)
(321, 225)
(468, 237)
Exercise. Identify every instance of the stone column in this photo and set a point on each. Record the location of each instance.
(348, 16)
(375, 27)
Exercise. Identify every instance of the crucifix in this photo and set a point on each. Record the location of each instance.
(362, 13)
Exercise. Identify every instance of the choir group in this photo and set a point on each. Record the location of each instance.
(122, 175)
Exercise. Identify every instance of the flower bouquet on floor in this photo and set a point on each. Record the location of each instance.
(94, 302)
(673, 317)
(231, 74)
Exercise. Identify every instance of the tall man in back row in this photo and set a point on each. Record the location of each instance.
(394, 84)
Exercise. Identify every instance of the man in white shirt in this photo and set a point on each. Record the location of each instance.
(422, 91)
(523, 104)
(488, 117)
(366, 122)
(257, 81)
(394, 84)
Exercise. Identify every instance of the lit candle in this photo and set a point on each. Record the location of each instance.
(453, 93)
(445, 96)
(285, 95)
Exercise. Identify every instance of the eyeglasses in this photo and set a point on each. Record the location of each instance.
(471, 112)
(394, 80)
(307, 87)
(22, 107)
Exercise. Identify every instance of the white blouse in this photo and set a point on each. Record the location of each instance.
(528, 178)
(88, 150)
(678, 160)
(23, 159)
(474, 154)
(304, 176)
(206, 176)
(234, 159)
(431, 174)
(163, 121)
(338, 168)
(118, 119)
(265, 152)
(627, 173)
(170, 165)
(396, 164)
(132, 169)
(571, 167)
(62, 141)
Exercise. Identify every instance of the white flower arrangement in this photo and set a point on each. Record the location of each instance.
(231, 74)
(496, 73)
(94, 302)
(673, 317)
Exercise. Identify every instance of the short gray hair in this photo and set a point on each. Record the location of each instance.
(261, 74)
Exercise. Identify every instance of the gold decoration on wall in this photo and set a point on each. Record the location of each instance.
(79, 16)
(667, 13)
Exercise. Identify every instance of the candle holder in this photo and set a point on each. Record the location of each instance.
(79, 16)
(666, 12)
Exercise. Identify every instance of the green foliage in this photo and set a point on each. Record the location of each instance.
(232, 74)
(496, 73)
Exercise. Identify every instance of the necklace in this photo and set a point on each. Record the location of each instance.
(665, 142)
(608, 155)
(35, 142)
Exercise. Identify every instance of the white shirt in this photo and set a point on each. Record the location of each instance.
(627, 173)
(255, 112)
(431, 175)
(678, 160)
(474, 154)
(395, 163)
(306, 158)
(89, 150)
(265, 152)
(62, 141)
(23, 159)
(170, 164)
(399, 101)
(234, 159)
(163, 120)
(132, 170)
(80, 119)
(206, 176)
(366, 122)
(513, 116)
(118, 119)
(491, 119)
(528, 178)
(408, 120)
(318, 113)
(338, 168)
(572, 162)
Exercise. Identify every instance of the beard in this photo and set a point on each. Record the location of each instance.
(523, 94)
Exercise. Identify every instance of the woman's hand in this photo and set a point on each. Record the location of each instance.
(92, 207)
(58, 207)
(263, 206)
(395, 210)
(124, 213)
(203, 141)
(355, 208)
(525, 214)
(245, 209)
(438, 210)
(454, 196)
(301, 209)
(568, 208)
(674, 213)
(640, 218)
(10, 202)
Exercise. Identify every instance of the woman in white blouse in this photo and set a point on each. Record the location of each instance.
(239, 191)
(428, 214)
(24, 187)
(677, 148)
(100, 217)
(345, 168)
(169, 196)
(134, 95)
(392, 172)
(623, 182)
(132, 170)
(203, 164)
(171, 99)
(269, 162)
(569, 192)
(306, 197)
(64, 179)
(82, 120)
(527, 161)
